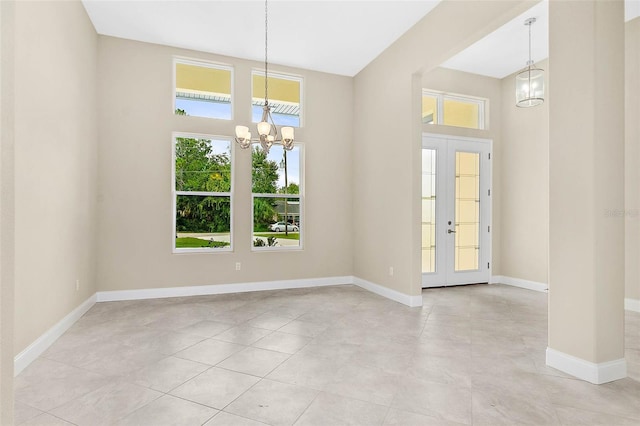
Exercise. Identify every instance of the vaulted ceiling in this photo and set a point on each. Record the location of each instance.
(339, 37)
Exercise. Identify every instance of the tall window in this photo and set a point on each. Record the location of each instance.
(285, 93)
(203, 89)
(277, 198)
(453, 110)
(202, 193)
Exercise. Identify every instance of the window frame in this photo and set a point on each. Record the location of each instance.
(284, 76)
(442, 96)
(204, 64)
(302, 214)
(175, 193)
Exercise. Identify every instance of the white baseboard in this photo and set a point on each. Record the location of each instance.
(632, 304)
(518, 282)
(405, 299)
(159, 293)
(37, 348)
(629, 304)
(603, 372)
(203, 290)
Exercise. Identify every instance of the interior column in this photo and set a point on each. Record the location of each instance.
(586, 179)
(7, 13)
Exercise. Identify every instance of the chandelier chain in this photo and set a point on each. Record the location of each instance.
(266, 74)
(530, 44)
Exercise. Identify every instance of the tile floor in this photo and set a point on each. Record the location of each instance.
(322, 356)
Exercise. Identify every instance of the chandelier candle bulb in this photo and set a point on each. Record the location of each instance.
(264, 128)
(243, 136)
(287, 133)
(241, 132)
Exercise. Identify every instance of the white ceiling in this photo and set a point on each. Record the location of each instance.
(339, 37)
(631, 9)
(506, 50)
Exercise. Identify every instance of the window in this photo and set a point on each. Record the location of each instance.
(203, 89)
(429, 109)
(285, 93)
(202, 193)
(277, 198)
(453, 110)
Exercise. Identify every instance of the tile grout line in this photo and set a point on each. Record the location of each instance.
(307, 407)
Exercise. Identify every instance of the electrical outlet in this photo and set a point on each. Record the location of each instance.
(238, 266)
(77, 285)
(390, 271)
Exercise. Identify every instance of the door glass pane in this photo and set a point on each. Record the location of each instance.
(467, 204)
(428, 210)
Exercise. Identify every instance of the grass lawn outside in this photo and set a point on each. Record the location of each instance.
(191, 242)
(280, 235)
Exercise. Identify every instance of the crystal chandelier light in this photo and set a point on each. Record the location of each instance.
(530, 81)
(267, 131)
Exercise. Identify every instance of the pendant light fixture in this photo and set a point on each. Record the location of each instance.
(267, 131)
(530, 81)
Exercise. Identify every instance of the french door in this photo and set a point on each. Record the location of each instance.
(456, 210)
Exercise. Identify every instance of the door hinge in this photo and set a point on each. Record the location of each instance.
(487, 264)
(488, 228)
(489, 192)
(489, 156)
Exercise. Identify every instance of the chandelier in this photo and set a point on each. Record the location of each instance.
(267, 131)
(530, 81)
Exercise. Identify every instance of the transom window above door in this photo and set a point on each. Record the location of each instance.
(453, 110)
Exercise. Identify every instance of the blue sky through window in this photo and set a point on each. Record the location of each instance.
(293, 164)
(196, 108)
(279, 119)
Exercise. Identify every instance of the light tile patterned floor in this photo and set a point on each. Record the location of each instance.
(321, 356)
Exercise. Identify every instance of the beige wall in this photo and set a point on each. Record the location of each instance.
(7, 20)
(632, 159)
(135, 201)
(524, 163)
(586, 245)
(458, 82)
(387, 122)
(524, 160)
(55, 164)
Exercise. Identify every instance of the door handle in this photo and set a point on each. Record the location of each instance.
(449, 231)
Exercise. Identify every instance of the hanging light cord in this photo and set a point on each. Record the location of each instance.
(266, 87)
(530, 62)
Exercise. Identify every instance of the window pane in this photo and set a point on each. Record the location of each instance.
(284, 99)
(203, 165)
(429, 109)
(461, 114)
(202, 222)
(276, 173)
(276, 222)
(203, 91)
